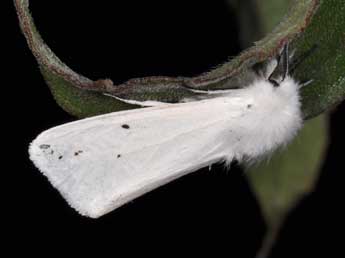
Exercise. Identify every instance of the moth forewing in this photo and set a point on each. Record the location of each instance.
(101, 163)
(123, 155)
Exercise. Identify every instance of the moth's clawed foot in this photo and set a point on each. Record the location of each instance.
(305, 83)
(292, 55)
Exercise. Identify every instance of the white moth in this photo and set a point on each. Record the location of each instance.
(103, 162)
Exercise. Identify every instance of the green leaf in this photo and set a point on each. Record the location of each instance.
(326, 66)
(83, 97)
(288, 176)
(80, 103)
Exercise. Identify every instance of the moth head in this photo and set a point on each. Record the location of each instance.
(275, 70)
(274, 74)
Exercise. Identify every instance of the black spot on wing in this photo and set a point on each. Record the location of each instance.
(118, 156)
(125, 126)
(60, 157)
(78, 152)
(44, 146)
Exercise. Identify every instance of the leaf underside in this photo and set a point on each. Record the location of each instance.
(83, 97)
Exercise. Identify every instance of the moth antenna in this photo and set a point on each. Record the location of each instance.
(282, 70)
(285, 61)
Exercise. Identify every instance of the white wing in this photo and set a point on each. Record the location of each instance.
(100, 163)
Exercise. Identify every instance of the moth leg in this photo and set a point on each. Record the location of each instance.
(285, 61)
(305, 83)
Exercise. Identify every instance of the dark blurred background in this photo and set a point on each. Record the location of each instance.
(208, 211)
